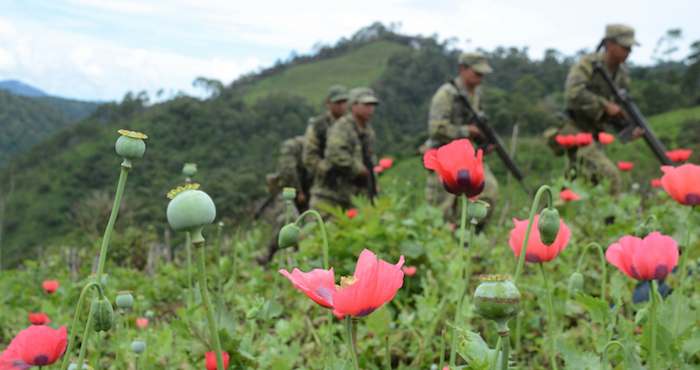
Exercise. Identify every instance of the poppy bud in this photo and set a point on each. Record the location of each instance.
(477, 210)
(103, 314)
(190, 209)
(138, 346)
(575, 283)
(150, 314)
(189, 169)
(288, 236)
(130, 144)
(548, 225)
(125, 300)
(497, 298)
(289, 194)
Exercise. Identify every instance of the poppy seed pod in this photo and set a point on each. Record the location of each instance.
(497, 298)
(477, 210)
(288, 236)
(189, 169)
(190, 209)
(548, 225)
(124, 300)
(130, 144)
(138, 346)
(289, 194)
(575, 283)
(103, 314)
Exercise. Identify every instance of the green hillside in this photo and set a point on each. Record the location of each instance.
(362, 66)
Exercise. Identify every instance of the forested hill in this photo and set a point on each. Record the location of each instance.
(61, 188)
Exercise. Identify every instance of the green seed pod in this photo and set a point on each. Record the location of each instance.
(103, 314)
(150, 314)
(138, 346)
(575, 283)
(130, 144)
(289, 194)
(288, 236)
(124, 300)
(497, 298)
(548, 225)
(189, 169)
(190, 209)
(477, 210)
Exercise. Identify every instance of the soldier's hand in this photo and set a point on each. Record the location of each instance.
(301, 197)
(612, 109)
(364, 173)
(637, 133)
(474, 132)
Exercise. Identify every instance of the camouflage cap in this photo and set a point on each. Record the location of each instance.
(475, 61)
(363, 95)
(337, 93)
(621, 34)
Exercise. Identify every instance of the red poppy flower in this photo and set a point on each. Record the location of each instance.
(374, 283)
(210, 360)
(319, 284)
(682, 183)
(39, 318)
(50, 286)
(679, 155)
(409, 270)
(644, 259)
(460, 170)
(536, 250)
(655, 183)
(378, 169)
(584, 139)
(566, 141)
(37, 345)
(568, 195)
(141, 322)
(351, 213)
(386, 163)
(605, 138)
(625, 166)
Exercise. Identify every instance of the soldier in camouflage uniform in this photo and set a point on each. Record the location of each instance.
(292, 173)
(449, 119)
(590, 102)
(316, 131)
(344, 173)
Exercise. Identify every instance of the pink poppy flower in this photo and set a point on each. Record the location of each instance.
(409, 270)
(536, 250)
(210, 360)
(50, 286)
(141, 322)
(386, 163)
(351, 213)
(682, 183)
(625, 166)
(378, 169)
(584, 139)
(655, 183)
(459, 169)
(38, 318)
(679, 155)
(374, 283)
(37, 345)
(605, 138)
(319, 284)
(653, 257)
(568, 195)
(566, 141)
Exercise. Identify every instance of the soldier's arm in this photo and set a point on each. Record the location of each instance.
(311, 156)
(577, 95)
(341, 153)
(440, 129)
(287, 167)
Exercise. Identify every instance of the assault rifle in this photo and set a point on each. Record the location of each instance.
(492, 138)
(634, 118)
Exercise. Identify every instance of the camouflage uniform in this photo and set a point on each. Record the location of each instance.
(447, 121)
(340, 175)
(586, 95)
(317, 131)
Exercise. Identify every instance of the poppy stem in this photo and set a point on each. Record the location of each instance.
(462, 276)
(682, 270)
(601, 254)
(652, 322)
(351, 344)
(550, 321)
(533, 210)
(505, 352)
(198, 243)
(604, 354)
(217, 250)
(74, 324)
(121, 183)
(85, 338)
(324, 234)
(387, 357)
(190, 287)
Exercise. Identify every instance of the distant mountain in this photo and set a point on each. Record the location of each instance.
(20, 88)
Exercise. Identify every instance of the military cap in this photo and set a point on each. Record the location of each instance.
(475, 61)
(363, 95)
(621, 34)
(337, 93)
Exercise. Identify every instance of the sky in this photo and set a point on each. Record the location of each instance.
(101, 49)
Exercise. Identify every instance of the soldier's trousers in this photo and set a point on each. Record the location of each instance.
(436, 195)
(592, 163)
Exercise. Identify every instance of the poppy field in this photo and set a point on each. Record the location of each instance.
(568, 277)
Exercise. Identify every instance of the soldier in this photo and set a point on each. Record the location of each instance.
(292, 173)
(449, 119)
(590, 102)
(350, 140)
(316, 131)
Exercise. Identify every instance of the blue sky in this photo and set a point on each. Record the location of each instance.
(100, 49)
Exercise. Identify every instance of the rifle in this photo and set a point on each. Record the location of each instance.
(636, 119)
(371, 180)
(493, 139)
